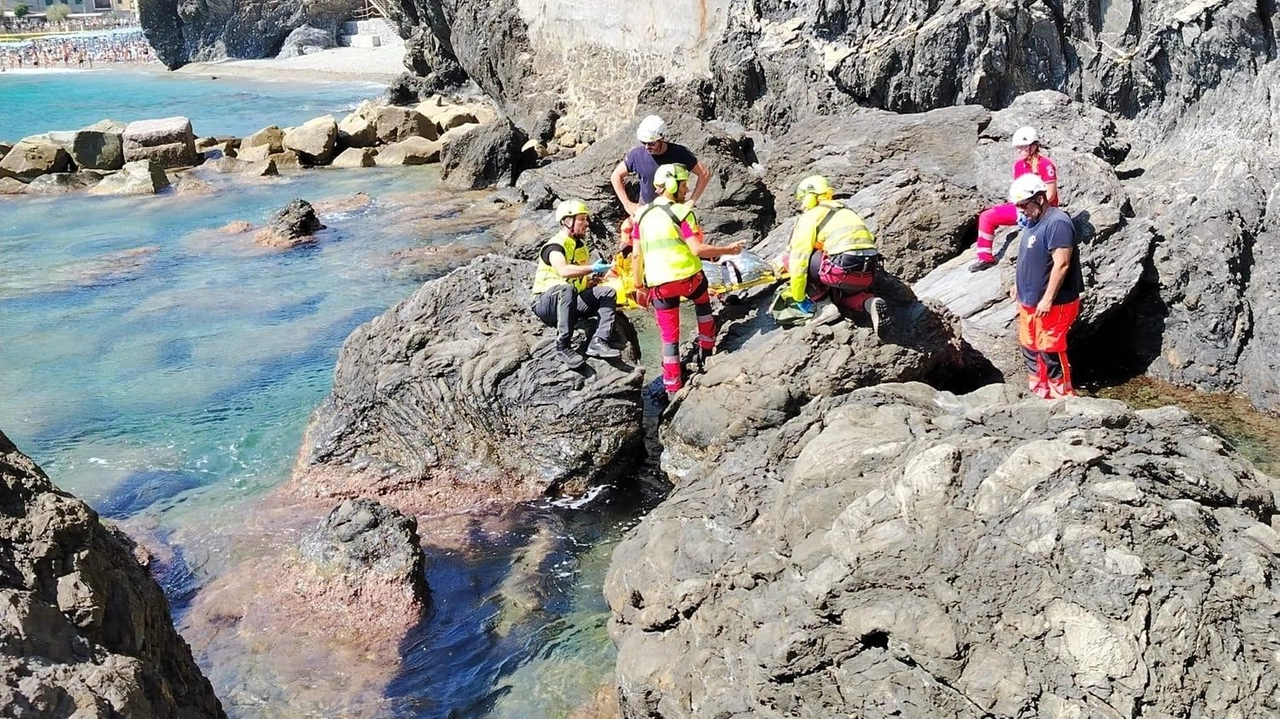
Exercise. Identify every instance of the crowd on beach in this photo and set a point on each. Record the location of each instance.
(81, 52)
(78, 24)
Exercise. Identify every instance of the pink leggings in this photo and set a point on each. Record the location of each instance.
(666, 304)
(992, 219)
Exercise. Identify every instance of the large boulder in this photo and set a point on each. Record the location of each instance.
(270, 137)
(901, 551)
(488, 155)
(86, 631)
(305, 40)
(356, 157)
(260, 168)
(736, 206)
(140, 177)
(1206, 315)
(315, 140)
(33, 157)
(92, 149)
(168, 141)
(360, 127)
(454, 398)
(395, 124)
(410, 151)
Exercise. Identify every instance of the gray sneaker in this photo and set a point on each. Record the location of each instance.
(571, 359)
(827, 315)
(880, 319)
(600, 348)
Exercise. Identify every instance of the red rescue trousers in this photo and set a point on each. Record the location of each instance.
(1044, 348)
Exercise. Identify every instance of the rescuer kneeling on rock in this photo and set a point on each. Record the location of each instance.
(565, 290)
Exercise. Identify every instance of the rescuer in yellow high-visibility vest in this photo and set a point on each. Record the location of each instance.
(667, 266)
(564, 290)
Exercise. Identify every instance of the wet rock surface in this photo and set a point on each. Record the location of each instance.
(294, 224)
(337, 602)
(454, 398)
(86, 631)
(900, 551)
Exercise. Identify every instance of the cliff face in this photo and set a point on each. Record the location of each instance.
(183, 31)
(86, 630)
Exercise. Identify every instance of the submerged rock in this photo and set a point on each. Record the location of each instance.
(454, 398)
(60, 183)
(900, 551)
(337, 603)
(292, 225)
(85, 631)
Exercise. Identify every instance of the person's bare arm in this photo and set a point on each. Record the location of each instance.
(1061, 263)
(1052, 193)
(619, 181)
(701, 172)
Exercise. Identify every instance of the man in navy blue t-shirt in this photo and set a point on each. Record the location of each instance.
(644, 159)
(1047, 287)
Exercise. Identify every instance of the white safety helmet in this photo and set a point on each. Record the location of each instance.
(651, 129)
(1025, 136)
(1026, 187)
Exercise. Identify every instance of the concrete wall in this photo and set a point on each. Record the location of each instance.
(607, 51)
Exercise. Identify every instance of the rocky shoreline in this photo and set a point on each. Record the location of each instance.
(851, 530)
(149, 156)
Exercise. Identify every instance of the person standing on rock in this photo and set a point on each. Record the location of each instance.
(833, 252)
(1030, 162)
(1047, 287)
(667, 266)
(563, 289)
(644, 159)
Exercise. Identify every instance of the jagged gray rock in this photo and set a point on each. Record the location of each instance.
(762, 374)
(183, 31)
(307, 39)
(292, 225)
(60, 183)
(86, 631)
(488, 155)
(900, 551)
(454, 398)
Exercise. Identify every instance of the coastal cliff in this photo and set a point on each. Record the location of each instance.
(86, 631)
(183, 31)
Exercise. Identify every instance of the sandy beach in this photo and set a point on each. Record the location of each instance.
(379, 64)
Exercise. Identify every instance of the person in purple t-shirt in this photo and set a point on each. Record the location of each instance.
(644, 159)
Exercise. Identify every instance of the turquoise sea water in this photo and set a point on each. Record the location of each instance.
(32, 103)
(163, 370)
